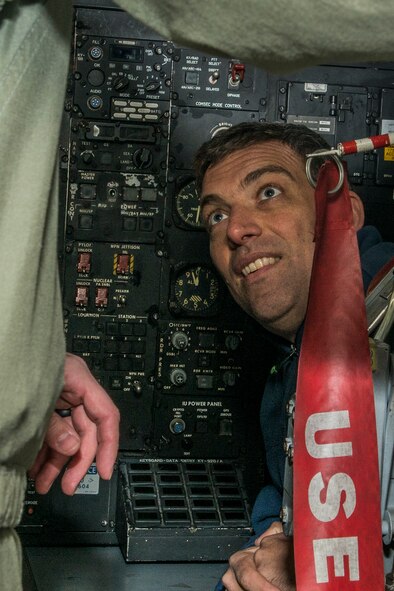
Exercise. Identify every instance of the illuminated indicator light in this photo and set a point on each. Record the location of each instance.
(101, 299)
(30, 510)
(84, 262)
(81, 298)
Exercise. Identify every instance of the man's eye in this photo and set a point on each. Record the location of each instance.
(269, 193)
(216, 217)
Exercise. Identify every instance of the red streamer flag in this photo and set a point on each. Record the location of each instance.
(337, 522)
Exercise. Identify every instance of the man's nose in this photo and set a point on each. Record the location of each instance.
(242, 226)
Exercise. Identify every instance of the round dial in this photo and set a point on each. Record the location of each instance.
(196, 289)
(188, 205)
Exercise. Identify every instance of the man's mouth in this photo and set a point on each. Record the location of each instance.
(259, 264)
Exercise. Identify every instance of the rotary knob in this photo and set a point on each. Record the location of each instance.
(142, 158)
(178, 377)
(179, 340)
(120, 83)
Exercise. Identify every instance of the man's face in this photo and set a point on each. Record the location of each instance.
(259, 209)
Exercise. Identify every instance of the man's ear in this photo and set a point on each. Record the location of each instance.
(358, 210)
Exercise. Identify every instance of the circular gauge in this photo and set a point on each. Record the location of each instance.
(188, 205)
(196, 289)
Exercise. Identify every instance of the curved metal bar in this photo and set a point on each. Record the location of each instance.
(337, 161)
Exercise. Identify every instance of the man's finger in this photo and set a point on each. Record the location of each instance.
(275, 528)
(230, 582)
(49, 471)
(246, 578)
(80, 463)
(104, 415)
(99, 408)
(107, 449)
(39, 461)
(61, 435)
(246, 573)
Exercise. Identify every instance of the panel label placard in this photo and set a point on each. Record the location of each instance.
(321, 125)
(89, 484)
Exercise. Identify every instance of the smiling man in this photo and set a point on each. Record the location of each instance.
(259, 210)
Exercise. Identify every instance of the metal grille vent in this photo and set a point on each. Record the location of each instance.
(191, 494)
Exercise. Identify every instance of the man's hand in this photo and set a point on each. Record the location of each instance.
(269, 566)
(91, 431)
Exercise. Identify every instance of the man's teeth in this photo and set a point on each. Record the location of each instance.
(259, 264)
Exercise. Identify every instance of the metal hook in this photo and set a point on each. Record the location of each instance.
(337, 161)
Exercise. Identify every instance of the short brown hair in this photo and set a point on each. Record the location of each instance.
(299, 138)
